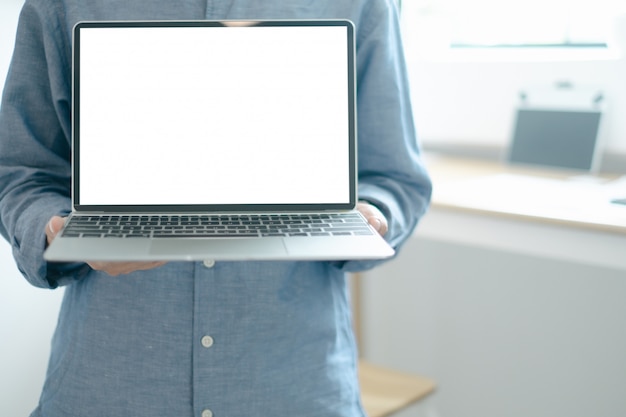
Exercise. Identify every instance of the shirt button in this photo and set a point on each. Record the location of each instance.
(209, 263)
(207, 413)
(207, 341)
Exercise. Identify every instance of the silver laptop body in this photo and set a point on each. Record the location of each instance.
(231, 140)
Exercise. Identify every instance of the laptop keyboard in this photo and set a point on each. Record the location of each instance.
(198, 226)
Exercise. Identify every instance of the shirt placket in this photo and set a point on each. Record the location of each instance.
(205, 342)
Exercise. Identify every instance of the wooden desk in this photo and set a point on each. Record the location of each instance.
(562, 215)
(383, 391)
(454, 178)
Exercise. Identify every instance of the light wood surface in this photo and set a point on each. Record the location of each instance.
(543, 195)
(385, 391)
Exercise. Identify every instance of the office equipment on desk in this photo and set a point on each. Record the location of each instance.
(619, 201)
(558, 128)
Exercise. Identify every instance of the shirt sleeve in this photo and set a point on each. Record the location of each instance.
(35, 143)
(391, 172)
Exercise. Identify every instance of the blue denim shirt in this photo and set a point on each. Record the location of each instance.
(198, 339)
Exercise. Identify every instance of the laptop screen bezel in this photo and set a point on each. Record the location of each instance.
(200, 208)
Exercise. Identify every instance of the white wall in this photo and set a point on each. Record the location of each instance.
(9, 11)
(475, 101)
(27, 315)
(470, 96)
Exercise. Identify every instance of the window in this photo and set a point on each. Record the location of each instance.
(510, 23)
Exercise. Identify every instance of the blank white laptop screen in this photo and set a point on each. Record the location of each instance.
(217, 115)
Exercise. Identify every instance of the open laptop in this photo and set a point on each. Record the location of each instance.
(232, 140)
(557, 137)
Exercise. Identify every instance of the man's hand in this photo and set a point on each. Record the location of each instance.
(373, 216)
(112, 268)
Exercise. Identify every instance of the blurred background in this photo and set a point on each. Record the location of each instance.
(510, 316)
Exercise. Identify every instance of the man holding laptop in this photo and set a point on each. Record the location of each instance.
(212, 337)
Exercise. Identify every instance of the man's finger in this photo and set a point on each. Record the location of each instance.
(53, 227)
(120, 268)
(374, 217)
(379, 225)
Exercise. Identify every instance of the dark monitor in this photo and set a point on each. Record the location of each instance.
(556, 138)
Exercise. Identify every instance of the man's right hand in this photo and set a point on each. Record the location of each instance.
(112, 268)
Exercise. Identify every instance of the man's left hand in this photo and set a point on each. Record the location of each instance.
(373, 216)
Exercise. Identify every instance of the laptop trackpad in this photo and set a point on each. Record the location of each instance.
(198, 249)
